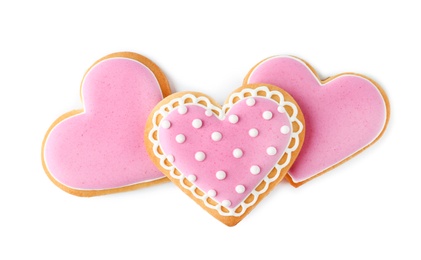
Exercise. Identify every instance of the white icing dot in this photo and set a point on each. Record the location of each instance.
(254, 169)
(180, 138)
(197, 123)
(238, 153)
(226, 203)
(281, 109)
(216, 136)
(271, 150)
(200, 156)
(233, 119)
(192, 178)
(212, 193)
(165, 124)
(250, 102)
(253, 132)
(267, 115)
(220, 175)
(182, 110)
(285, 129)
(208, 112)
(170, 158)
(240, 189)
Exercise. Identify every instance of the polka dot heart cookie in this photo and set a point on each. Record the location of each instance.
(99, 149)
(227, 159)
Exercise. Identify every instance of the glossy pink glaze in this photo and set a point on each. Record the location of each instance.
(103, 147)
(219, 154)
(342, 116)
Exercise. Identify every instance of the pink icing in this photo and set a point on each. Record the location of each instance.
(342, 116)
(103, 147)
(220, 153)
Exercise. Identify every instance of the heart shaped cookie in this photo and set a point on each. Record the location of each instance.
(226, 159)
(100, 149)
(344, 114)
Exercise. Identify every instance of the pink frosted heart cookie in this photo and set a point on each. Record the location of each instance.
(226, 159)
(100, 149)
(344, 114)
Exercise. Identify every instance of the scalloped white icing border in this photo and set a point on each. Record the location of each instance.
(251, 92)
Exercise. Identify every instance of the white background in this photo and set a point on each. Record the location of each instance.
(368, 208)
